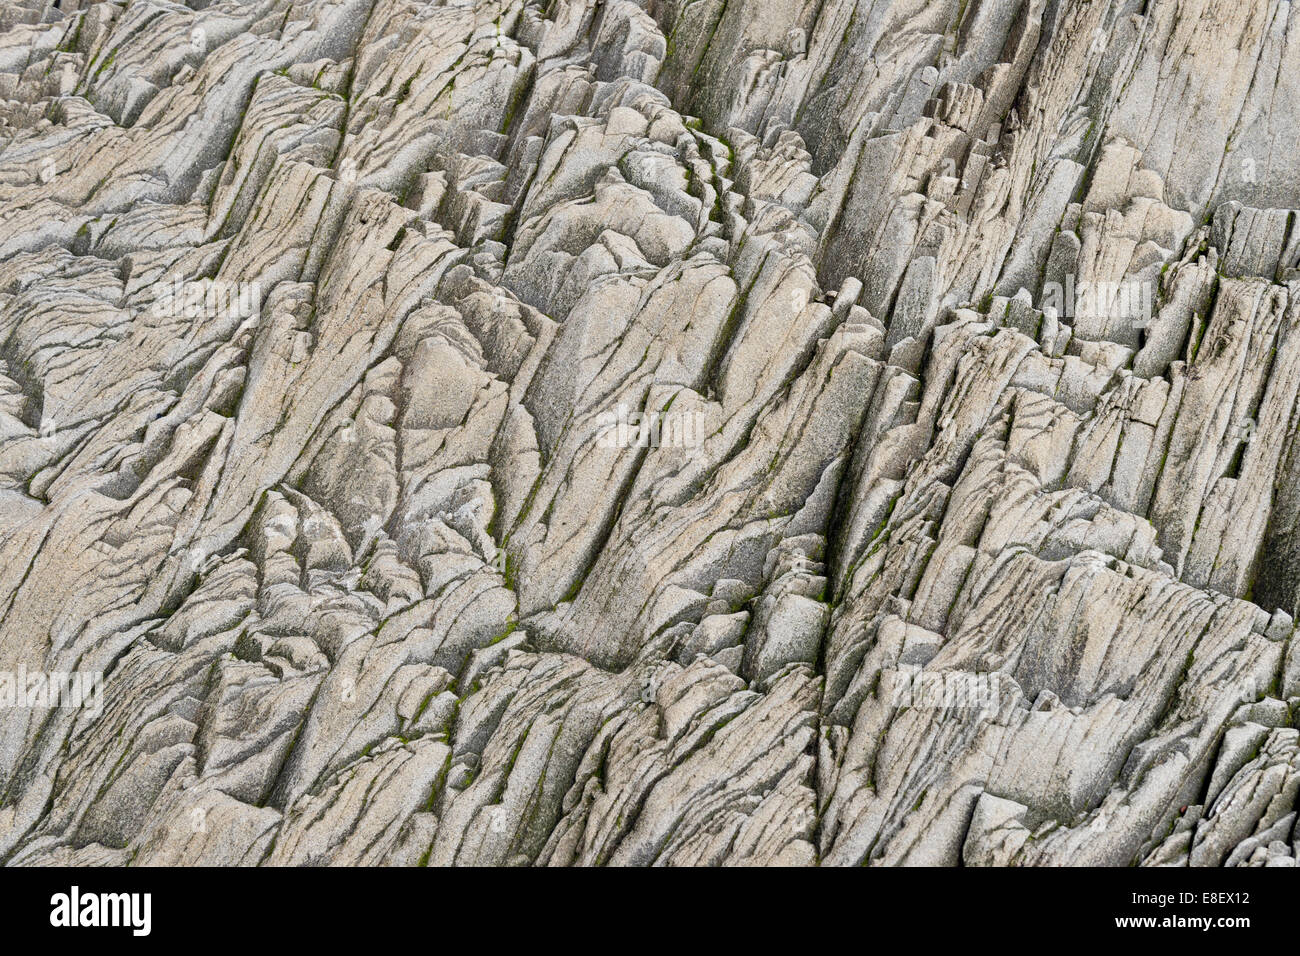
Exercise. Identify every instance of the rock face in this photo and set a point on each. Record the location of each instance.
(648, 432)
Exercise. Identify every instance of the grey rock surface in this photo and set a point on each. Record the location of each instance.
(649, 432)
